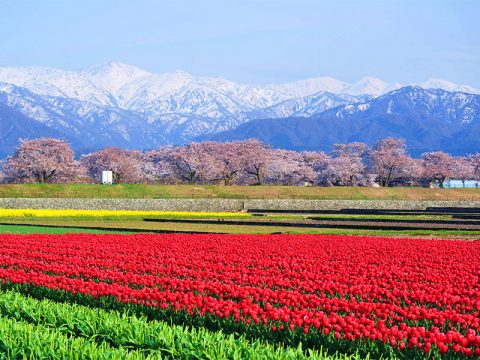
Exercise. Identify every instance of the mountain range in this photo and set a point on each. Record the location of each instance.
(428, 119)
(123, 105)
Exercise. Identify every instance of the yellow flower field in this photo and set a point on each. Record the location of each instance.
(113, 213)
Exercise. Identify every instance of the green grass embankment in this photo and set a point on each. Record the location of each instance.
(131, 191)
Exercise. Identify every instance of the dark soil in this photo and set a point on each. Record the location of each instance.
(334, 224)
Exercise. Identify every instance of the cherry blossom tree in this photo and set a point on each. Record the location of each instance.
(463, 169)
(475, 161)
(126, 165)
(196, 163)
(354, 149)
(208, 162)
(191, 164)
(412, 171)
(321, 164)
(347, 171)
(226, 161)
(239, 162)
(389, 160)
(42, 160)
(158, 165)
(347, 167)
(256, 159)
(289, 168)
(437, 166)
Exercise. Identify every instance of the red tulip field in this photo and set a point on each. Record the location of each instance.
(381, 297)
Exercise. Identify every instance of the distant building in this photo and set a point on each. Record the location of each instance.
(106, 177)
(457, 183)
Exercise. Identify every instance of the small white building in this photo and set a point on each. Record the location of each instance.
(457, 183)
(106, 177)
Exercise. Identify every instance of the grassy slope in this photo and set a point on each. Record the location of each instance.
(234, 192)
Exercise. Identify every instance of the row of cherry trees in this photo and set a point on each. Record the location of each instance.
(48, 160)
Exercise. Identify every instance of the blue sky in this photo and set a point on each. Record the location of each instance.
(257, 41)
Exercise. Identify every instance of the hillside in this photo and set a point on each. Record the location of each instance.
(428, 119)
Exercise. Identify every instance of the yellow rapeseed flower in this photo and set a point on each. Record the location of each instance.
(108, 213)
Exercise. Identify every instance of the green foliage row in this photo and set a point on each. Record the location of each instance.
(252, 334)
(284, 339)
(22, 340)
(34, 328)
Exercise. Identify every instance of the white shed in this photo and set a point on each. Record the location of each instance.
(106, 177)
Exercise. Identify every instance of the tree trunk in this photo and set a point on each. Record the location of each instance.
(382, 181)
(260, 178)
(389, 176)
(441, 182)
(258, 173)
(42, 177)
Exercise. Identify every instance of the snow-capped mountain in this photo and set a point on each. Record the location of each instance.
(311, 105)
(57, 82)
(365, 86)
(449, 86)
(131, 88)
(119, 104)
(114, 76)
(86, 125)
(453, 108)
(429, 119)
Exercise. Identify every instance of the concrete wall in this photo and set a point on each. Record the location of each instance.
(223, 204)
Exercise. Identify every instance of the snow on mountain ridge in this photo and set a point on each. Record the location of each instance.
(150, 88)
(129, 87)
(311, 86)
(449, 86)
(371, 86)
(56, 82)
(182, 105)
(113, 76)
(453, 107)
